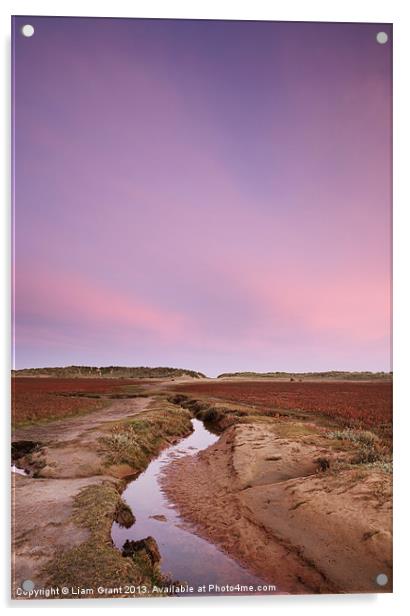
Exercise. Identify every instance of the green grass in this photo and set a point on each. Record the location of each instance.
(363, 437)
(368, 448)
(96, 562)
(137, 441)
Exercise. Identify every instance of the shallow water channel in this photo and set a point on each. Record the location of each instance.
(185, 556)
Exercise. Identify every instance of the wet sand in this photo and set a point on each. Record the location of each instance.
(184, 555)
(261, 498)
(42, 507)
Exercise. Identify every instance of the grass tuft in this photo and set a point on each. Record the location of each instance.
(137, 441)
(96, 562)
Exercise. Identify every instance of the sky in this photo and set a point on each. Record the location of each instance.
(202, 194)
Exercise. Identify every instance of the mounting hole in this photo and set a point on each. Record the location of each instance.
(28, 585)
(27, 30)
(382, 579)
(382, 38)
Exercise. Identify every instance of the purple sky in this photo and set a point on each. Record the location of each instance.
(210, 195)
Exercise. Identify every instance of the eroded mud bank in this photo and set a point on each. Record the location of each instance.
(184, 555)
(264, 495)
(64, 510)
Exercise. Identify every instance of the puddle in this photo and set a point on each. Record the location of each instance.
(185, 556)
(18, 471)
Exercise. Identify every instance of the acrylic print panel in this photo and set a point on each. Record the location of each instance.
(202, 386)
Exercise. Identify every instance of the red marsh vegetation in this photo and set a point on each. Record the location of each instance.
(35, 399)
(356, 404)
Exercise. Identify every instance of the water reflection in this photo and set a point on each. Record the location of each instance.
(185, 556)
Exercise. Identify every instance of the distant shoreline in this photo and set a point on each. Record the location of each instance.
(161, 372)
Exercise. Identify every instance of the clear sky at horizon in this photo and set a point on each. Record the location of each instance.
(202, 194)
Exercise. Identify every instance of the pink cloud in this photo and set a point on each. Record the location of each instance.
(292, 303)
(72, 298)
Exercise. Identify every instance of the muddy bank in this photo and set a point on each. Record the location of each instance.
(276, 493)
(272, 502)
(184, 555)
(63, 511)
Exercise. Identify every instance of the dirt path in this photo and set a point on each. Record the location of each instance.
(72, 427)
(70, 460)
(261, 497)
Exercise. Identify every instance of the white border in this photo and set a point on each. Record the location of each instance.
(292, 10)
